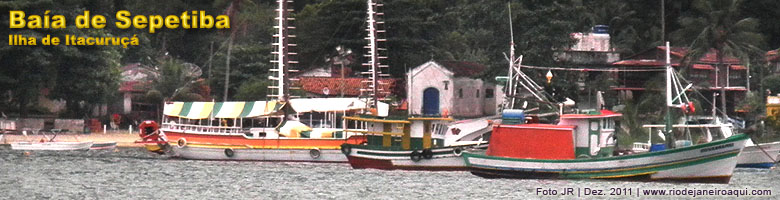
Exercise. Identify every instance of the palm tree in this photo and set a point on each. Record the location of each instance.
(717, 27)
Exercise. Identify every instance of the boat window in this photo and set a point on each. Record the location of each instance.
(261, 134)
(594, 126)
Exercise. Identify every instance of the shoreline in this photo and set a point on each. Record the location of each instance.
(122, 138)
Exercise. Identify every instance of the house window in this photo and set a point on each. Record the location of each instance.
(477, 93)
(460, 93)
(488, 93)
(446, 85)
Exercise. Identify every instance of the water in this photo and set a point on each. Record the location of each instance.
(132, 173)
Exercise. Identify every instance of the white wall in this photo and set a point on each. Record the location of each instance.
(426, 76)
(468, 105)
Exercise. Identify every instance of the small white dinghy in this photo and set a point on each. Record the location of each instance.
(48, 144)
(51, 146)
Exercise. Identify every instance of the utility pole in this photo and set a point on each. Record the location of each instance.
(211, 55)
(227, 67)
(663, 20)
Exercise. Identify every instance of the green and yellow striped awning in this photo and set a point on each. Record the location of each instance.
(204, 110)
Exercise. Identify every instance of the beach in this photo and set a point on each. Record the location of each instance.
(121, 137)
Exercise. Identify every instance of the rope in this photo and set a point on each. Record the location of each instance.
(654, 69)
(762, 149)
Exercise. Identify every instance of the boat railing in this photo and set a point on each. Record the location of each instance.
(640, 146)
(202, 128)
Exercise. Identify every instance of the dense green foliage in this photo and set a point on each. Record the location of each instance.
(417, 31)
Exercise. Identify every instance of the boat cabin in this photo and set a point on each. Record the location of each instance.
(402, 133)
(586, 135)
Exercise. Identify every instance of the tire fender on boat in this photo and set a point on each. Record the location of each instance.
(457, 151)
(427, 153)
(229, 153)
(315, 153)
(415, 156)
(346, 149)
(181, 142)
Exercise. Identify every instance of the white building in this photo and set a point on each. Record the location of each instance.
(451, 88)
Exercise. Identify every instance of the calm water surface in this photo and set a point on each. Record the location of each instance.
(132, 173)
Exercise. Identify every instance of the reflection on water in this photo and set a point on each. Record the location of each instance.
(131, 173)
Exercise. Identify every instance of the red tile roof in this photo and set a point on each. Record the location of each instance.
(133, 86)
(643, 62)
(773, 56)
(675, 52)
(351, 85)
(463, 68)
(703, 66)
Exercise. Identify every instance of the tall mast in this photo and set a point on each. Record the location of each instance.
(669, 103)
(510, 88)
(281, 90)
(371, 87)
(516, 75)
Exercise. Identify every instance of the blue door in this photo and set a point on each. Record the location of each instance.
(431, 101)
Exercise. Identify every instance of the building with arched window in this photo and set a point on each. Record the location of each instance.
(451, 88)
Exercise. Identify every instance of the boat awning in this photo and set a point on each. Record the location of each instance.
(204, 110)
(248, 109)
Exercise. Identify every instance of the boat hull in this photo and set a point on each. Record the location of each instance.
(241, 153)
(51, 146)
(754, 157)
(709, 163)
(103, 145)
(442, 159)
(281, 143)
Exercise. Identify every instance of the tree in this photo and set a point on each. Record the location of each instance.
(717, 26)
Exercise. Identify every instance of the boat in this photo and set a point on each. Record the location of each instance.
(404, 142)
(582, 146)
(51, 146)
(411, 143)
(763, 155)
(257, 130)
(153, 140)
(103, 145)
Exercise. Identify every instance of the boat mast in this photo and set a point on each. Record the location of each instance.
(281, 90)
(516, 76)
(510, 88)
(371, 87)
(668, 128)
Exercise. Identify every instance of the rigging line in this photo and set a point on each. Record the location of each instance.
(533, 90)
(678, 87)
(679, 84)
(534, 93)
(595, 69)
(528, 79)
(705, 99)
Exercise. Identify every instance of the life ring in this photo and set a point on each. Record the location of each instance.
(415, 156)
(229, 153)
(457, 151)
(181, 142)
(315, 153)
(427, 153)
(346, 149)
